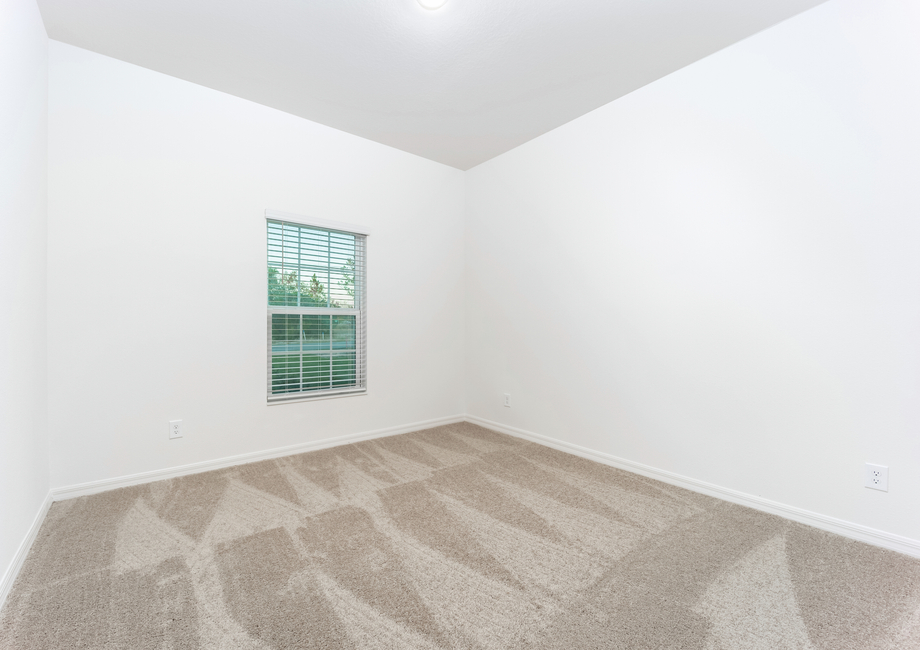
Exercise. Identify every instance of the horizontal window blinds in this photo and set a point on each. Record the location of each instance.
(316, 311)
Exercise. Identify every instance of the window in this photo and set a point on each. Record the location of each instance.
(316, 309)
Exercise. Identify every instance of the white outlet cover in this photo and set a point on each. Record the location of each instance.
(175, 429)
(508, 400)
(876, 477)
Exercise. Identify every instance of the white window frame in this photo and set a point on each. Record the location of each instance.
(360, 313)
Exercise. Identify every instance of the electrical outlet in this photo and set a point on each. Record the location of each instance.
(877, 477)
(508, 400)
(175, 429)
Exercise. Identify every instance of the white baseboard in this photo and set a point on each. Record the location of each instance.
(16, 565)
(92, 487)
(848, 529)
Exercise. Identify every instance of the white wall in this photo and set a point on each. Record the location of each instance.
(719, 274)
(23, 220)
(156, 278)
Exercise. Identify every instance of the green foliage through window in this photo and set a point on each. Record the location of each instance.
(309, 267)
(312, 271)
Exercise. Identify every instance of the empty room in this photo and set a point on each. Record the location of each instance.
(458, 324)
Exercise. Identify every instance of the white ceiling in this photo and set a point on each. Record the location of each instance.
(458, 85)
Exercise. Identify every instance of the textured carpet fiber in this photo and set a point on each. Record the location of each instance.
(455, 537)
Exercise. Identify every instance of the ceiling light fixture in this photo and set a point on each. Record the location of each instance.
(432, 4)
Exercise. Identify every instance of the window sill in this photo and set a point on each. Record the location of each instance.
(301, 397)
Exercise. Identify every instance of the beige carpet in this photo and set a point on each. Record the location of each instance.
(454, 537)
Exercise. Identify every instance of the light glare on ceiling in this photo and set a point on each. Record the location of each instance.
(459, 84)
(432, 4)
